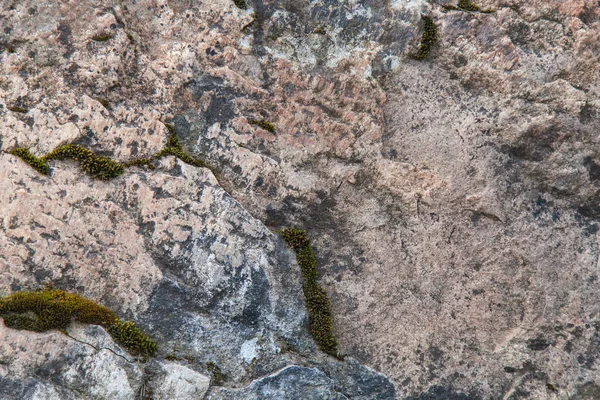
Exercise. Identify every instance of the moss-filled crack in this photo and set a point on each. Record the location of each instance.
(317, 303)
(102, 167)
(103, 37)
(241, 4)
(216, 376)
(99, 167)
(18, 109)
(39, 164)
(266, 125)
(428, 39)
(55, 309)
(467, 5)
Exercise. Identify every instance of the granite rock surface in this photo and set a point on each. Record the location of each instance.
(453, 202)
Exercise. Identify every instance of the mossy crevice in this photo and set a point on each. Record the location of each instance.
(241, 4)
(320, 319)
(467, 5)
(139, 162)
(18, 109)
(174, 148)
(99, 167)
(102, 167)
(295, 238)
(55, 309)
(105, 103)
(216, 376)
(428, 39)
(132, 338)
(103, 37)
(37, 163)
(266, 125)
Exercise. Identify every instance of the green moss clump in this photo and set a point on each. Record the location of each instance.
(55, 309)
(103, 37)
(18, 109)
(127, 334)
(428, 39)
(52, 309)
(267, 126)
(139, 162)
(317, 302)
(99, 167)
(39, 164)
(468, 6)
(241, 4)
(318, 306)
(295, 238)
(23, 322)
(307, 263)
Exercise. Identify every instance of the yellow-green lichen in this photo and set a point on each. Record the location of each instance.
(55, 309)
(320, 319)
(39, 164)
(267, 126)
(99, 167)
(427, 40)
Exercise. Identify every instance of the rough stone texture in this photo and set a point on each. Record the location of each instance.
(180, 383)
(292, 382)
(453, 202)
(55, 366)
(335, 381)
(204, 278)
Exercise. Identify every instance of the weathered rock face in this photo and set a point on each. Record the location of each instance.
(169, 249)
(172, 251)
(453, 202)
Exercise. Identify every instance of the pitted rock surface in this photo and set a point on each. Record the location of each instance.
(453, 203)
